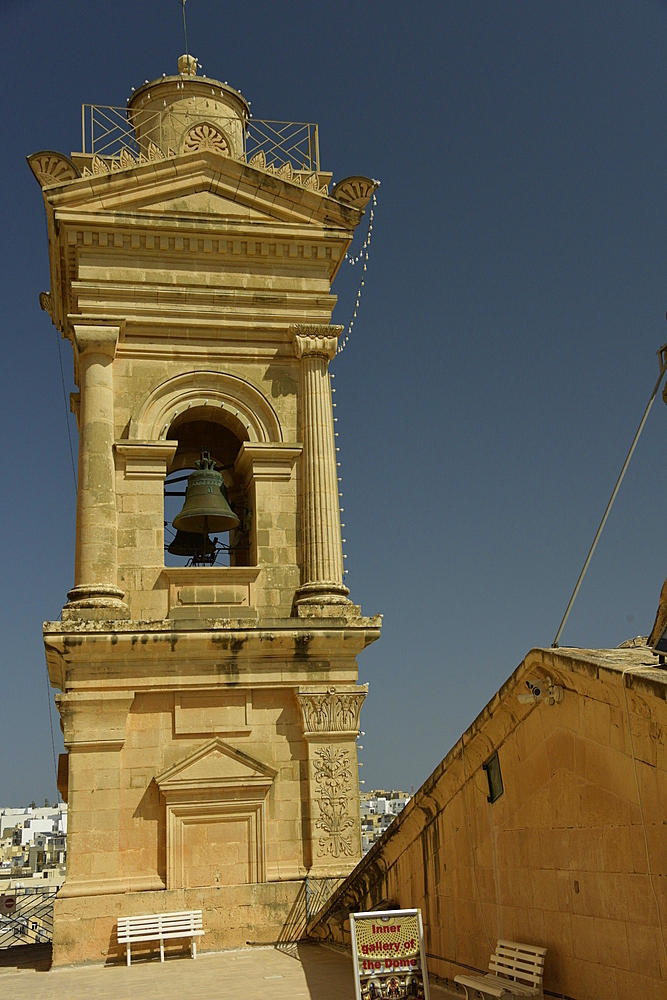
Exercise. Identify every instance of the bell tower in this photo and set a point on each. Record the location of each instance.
(205, 662)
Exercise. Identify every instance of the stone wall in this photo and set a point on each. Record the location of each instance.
(560, 859)
(84, 928)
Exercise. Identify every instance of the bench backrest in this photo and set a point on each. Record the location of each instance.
(522, 963)
(158, 923)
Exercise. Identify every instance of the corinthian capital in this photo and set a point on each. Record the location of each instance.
(316, 339)
(332, 711)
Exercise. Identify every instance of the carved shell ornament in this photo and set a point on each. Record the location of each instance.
(355, 191)
(206, 136)
(52, 168)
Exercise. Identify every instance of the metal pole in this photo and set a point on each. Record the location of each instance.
(186, 36)
(83, 128)
(662, 353)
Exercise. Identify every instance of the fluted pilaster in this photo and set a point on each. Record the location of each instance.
(322, 567)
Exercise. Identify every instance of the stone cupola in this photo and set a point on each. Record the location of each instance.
(186, 112)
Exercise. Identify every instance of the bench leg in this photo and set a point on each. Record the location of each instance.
(128, 953)
(162, 949)
(193, 947)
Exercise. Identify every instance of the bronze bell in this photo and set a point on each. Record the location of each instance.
(206, 507)
(189, 543)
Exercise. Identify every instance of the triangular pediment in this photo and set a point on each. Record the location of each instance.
(201, 183)
(215, 764)
(205, 203)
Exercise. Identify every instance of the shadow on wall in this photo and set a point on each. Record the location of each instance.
(282, 379)
(295, 925)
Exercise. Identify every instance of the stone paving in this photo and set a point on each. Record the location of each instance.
(304, 970)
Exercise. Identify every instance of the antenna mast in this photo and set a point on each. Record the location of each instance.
(185, 33)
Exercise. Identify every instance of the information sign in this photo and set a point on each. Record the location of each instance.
(389, 955)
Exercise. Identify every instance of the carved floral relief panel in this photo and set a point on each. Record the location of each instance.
(333, 781)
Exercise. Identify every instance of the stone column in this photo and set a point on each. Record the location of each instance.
(331, 726)
(96, 593)
(322, 563)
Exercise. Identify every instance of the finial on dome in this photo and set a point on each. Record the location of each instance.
(187, 65)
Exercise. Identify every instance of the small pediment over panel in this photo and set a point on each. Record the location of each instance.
(215, 763)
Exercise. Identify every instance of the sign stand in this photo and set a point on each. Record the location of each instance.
(389, 955)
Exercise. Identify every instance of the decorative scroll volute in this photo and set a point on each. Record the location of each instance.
(332, 711)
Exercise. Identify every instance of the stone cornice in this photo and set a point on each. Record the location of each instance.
(140, 234)
(319, 340)
(290, 648)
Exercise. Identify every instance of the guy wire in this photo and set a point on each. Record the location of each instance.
(662, 355)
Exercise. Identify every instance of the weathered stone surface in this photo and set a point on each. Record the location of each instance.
(182, 276)
(560, 859)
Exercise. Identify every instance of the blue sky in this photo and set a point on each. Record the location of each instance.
(501, 360)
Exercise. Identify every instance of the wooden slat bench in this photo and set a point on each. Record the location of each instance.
(160, 927)
(515, 970)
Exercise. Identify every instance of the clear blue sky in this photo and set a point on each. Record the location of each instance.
(500, 362)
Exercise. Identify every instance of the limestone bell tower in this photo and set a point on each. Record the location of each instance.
(209, 701)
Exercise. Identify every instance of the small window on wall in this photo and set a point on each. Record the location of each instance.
(494, 777)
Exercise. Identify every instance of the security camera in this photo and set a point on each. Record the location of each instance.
(541, 690)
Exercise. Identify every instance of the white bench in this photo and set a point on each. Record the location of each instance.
(515, 970)
(160, 927)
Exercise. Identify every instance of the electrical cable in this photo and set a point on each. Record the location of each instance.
(62, 377)
(53, 744)
(361, 257)
(69, 435)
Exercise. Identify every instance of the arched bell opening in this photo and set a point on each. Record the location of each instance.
(208, 444)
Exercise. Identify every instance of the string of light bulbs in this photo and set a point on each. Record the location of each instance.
(339, 478)
(360, 258)
(352, 260)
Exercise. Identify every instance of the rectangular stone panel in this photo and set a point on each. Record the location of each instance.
(217, 851)
(209, 713)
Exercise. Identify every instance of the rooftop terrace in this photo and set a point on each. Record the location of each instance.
(305, 970)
